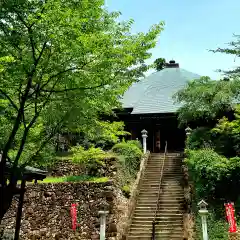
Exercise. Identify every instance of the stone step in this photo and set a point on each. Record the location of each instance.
(159, 218)
(154, 194)
(174, 209)
(165, 174)
(162, 190)
(161, 208)
(149, 238)
(162, 197)
(173, 175)
(160, 211)
(164, 185)
(168, 205)
(159, 169)
(160, 214)
(160, 225)
(168, 155)
(167, 161)
(178, 229)
(170, 185)
(163, 235)
(142, 221)
(156, 184)
(172, 165)
(157, 231)
(171, 179)
(162, 201)
(159, 165)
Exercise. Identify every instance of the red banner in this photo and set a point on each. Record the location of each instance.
(74, 216)
(230, 217)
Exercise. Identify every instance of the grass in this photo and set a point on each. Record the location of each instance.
(81, 178)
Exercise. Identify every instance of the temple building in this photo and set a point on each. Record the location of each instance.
(148, 104)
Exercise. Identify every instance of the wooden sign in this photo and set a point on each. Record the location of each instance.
(230, 217)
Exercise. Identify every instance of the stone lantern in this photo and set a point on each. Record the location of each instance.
(188, 131)
(144, 136)
(203, 212)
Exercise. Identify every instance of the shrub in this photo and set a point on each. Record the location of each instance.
(199, 138)
(136, 142)
(207, 168)
(132, 154)
(216, 178)
(93, 158)
(217, 229)
(126, 191)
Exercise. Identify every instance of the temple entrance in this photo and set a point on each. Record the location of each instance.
(160, 138)
(160, 130)
(160, 133)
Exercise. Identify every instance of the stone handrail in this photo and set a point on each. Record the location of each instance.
(134, 195)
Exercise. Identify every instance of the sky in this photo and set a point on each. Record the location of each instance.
(192, 27)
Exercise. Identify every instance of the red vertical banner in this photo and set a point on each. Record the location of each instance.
(74, 216)
(230, 217)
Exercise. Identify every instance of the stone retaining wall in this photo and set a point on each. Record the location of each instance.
(46, 212)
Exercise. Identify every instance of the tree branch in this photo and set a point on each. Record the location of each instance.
(9, 99)
(24, 120)
(32, 45)
(43, 144)
(41, 53)
(73, 89)
(65, 71)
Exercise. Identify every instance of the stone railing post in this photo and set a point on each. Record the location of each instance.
(144, 136)
(103, 215)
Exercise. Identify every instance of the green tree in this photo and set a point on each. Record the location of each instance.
(233, 49)
(212, 151)
(205, 99)
(159, 64)
(62, 64)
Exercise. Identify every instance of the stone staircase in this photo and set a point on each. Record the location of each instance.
(169, 218)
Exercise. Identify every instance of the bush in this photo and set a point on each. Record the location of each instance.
(126, 191)
(136, 142)
(217, 229)
(216, 178)
(208, 170)
(132, 153)
(93, 158)
(199, 138)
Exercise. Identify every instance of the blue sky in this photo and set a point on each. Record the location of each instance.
(191, 28)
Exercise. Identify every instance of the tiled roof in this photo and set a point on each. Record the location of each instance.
(154, 93)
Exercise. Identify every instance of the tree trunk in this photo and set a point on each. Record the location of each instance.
(6, 197)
